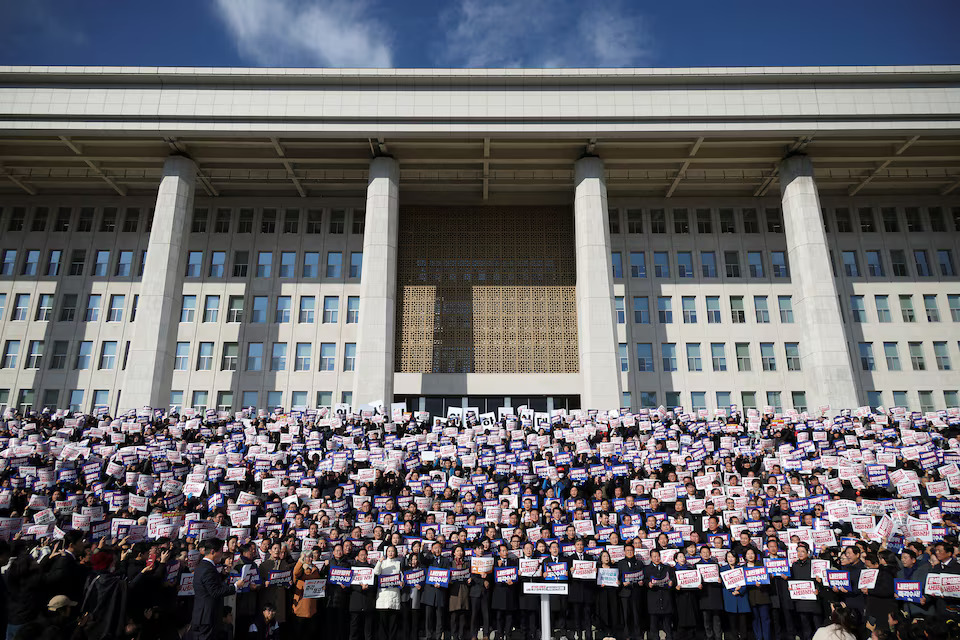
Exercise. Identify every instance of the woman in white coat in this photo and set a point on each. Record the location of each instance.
(388, 598)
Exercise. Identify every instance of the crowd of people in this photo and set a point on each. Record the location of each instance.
(397, 525)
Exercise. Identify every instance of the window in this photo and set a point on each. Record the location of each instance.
(92, 314)
(188, 308)
(288, 263)
(916, 356)
(708, 264)
(359, 222)
(922, 262)
(283, 310)
(718, 356)
(10, 352)
(850, 265)
(302, 363)
(648, 399)
(224, 400)
(62, 222)
(255, 356)
(619, 307)
(68, 308)
(108, 355)
(689, 306)
(78, 259)
(774, 221)
(638, 264)
(101, 263)
(681, 221)
(350, 356)
(35, 354)
(723, 399)
(867, 222)
(945, 259)
(124, 263)
(8, 262)
(685, 264)
(235, 309)
(278, 358)
(748, 399)
(727, 221)
(84, 354)
(259, 312)
(658, 221)
(337, 221)
(218, 262)
(616, 260)
(843, 221)
(731, 262)
(930, 306)
(314, 221)
(773, 400)
(737, 313)
(892, 356)
(44, 307)
(346, 397)
(942, 356)
(205, 356)
(222, 222)
(331, 306)
(785, 303)
(693, 357)
(857, 308)
(16, 219)
(613, 220)
(634, 221)
(779, 261)
(30, 263)
(308, 305)
(334, 262)
(245, 222)
(53, 263)
(953, 300)
(661, 264)
(240, 261)
(755, 264)
(40, 215)
(900, 399)
(914, 220)
(115, 312)
(866, 356)
(264, 264)
(713, 309)
(937, 222)
(792, 350)
(230, 357)
(664, 310)
(356, 264)
(698, 400)
(328, 356)
(85, 224)
(353, 309)
(58, 360)
(926, 401)
(644, 356)
(704, 221)
(761, 309)
(324, 398)
(194, 264)
(200, 399)
(883, 308)
(268, 221)
(874, 264)
(641, 310)
(768, 360)
(890, 222)
(898, 261)
(311, 264)
(199, 221)
(21, 307)
(951, 399)
(668, 353)
(906, 308)
(143, 263)
(211, 308)
(291, 221)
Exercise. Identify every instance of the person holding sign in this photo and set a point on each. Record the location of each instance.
(503, 599)
(435, 596)
(689, 615)
(458, 594)
(606, 605)
(338, 595)
(363, 602)
(660, 581)
(710, 597)
(481, 575)
(879, 596)
(735, 601)
(809, 612)
(388, 597)
(851, 563)
(632, 600)
(272, 592)
(915, 570)
(529, 605)
(581, 588)
(759, 597)
(305, 609)
(413, 576)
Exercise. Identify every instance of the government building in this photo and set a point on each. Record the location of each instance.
(782, 238)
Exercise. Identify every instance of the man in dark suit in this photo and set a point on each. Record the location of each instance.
(581, 594)
(631, 593)
(660, 581)
(209, 589)
(64, 573)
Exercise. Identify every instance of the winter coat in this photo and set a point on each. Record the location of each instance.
(275, 594)
(734, 603)
(660, 598)
(388, 598)
(304, 607)
(918, 574)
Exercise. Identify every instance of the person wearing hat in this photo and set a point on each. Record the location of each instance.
(57, 619)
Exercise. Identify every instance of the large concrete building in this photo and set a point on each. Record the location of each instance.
(480, 238)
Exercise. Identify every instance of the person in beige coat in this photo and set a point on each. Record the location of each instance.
(305, 609)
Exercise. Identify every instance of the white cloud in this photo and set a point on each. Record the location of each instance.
(543, 33)
(325, 33)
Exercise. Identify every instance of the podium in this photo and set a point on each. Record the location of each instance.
(545, 590)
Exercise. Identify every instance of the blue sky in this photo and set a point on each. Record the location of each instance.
(478, 33)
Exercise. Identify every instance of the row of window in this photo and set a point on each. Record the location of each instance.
(748, 220)
(688, 306)
(891, 354)
(756, 264)
(898, 263)
(84, 358)
(26, 399)
(717, 354)
(881, 302)
(215, 267)
(220, 220)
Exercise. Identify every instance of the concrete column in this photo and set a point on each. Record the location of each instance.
(823, 346)
(150, 365)
(596, 330)
(373, 377)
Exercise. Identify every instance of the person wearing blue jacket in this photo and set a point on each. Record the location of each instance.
(735, 602)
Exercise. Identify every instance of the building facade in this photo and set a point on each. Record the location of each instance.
(223, 238)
